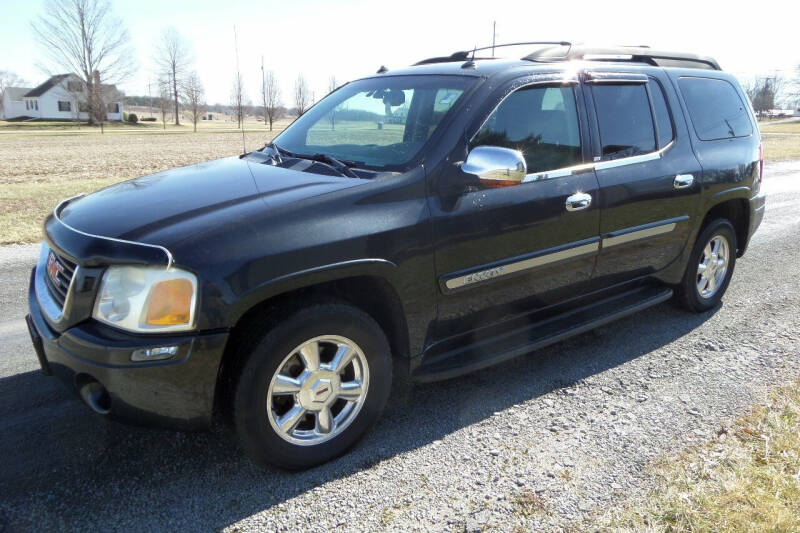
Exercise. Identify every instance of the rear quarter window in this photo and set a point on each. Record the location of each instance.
(716, 110)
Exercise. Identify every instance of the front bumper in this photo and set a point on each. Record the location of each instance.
(176, 393)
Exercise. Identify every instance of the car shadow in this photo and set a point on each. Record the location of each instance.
(64, 466)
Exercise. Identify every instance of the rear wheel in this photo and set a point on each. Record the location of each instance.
(710, 267)
(312, 386)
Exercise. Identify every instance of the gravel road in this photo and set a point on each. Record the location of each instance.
(575, 424)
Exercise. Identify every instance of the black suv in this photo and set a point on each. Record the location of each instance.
(428, 221)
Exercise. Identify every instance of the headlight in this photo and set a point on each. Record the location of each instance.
(147, 299)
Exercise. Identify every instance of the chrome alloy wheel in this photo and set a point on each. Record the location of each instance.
(713, 266)
(318, 390)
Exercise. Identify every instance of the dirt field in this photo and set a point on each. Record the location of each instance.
(38, 169)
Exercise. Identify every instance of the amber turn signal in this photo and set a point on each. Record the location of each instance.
(170, 303)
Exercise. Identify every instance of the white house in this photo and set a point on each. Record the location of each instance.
(62, 97)
(13, 102)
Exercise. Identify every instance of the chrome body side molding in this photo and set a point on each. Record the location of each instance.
(641, 232)
(501, 269)
(513, 267)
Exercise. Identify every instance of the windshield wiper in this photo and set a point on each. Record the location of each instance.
(279, 151)
(342, 166)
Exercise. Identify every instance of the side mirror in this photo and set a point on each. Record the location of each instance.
(496, 166)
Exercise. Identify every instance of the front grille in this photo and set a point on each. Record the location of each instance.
(63, 273)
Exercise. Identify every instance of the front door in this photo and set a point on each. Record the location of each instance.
(505, 251)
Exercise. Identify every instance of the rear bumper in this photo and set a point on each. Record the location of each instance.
(176, 393)
(757, 204)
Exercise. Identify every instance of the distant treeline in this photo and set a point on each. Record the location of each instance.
(155, 102)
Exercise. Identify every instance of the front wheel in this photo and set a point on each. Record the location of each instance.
(710, 267)
(312, 386)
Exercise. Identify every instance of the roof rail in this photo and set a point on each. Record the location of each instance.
(566, 51)
(637, 54)
(464, 55)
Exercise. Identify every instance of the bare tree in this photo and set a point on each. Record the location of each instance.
(164, 99)
(193, 97)
(271, 96)
(302, 98)
(332, 87)
(85, 38)
(763, 93)
(173, 58)
(8, 79)
(238, 99)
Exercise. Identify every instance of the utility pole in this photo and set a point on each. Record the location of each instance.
(494, 34)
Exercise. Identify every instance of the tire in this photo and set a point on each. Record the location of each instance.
(262, 400)
(695, 292)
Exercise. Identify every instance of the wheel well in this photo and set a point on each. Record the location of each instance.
(373, 295)
(738, 213)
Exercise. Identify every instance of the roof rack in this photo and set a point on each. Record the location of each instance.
(464, 55)
(636, 54)
(566, 51)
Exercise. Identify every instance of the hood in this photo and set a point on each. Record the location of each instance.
(169, 205)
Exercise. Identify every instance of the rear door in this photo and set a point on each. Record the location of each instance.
(649, 177)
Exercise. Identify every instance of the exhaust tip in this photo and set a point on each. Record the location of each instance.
(94, 395)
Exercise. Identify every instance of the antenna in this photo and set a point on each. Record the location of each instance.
(470, 63)
(494, 34)
(239, 105)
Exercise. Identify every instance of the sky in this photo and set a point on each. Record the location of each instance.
(350, 39)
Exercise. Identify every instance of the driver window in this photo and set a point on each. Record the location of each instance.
(541, 122)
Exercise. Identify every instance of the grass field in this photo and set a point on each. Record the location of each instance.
(204, 126)
(747, 479)
(36, 171)
(39, 168)
(784, 127)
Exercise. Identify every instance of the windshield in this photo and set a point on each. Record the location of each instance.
(381, 123)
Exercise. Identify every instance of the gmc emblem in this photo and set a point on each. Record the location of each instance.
(54, 268)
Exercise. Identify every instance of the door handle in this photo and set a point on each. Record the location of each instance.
(683, 181)
(578, 201)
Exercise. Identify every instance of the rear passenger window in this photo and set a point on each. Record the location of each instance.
(626, 124)
(540, 122)
(716, 109)
(663, 120)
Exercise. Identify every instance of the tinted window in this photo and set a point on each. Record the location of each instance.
(626, 124)
(715, 107)
(540, 122)
(663, 120)
(380, 123)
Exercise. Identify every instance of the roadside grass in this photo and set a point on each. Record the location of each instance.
(746, 479)
(781, 147)
(783, 127)
(528, 503)
(24, 206)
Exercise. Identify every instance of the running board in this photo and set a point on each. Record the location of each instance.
(520, 341)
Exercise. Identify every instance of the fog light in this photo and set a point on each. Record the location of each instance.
(154, 354)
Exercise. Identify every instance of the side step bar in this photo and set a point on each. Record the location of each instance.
(499, 348)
